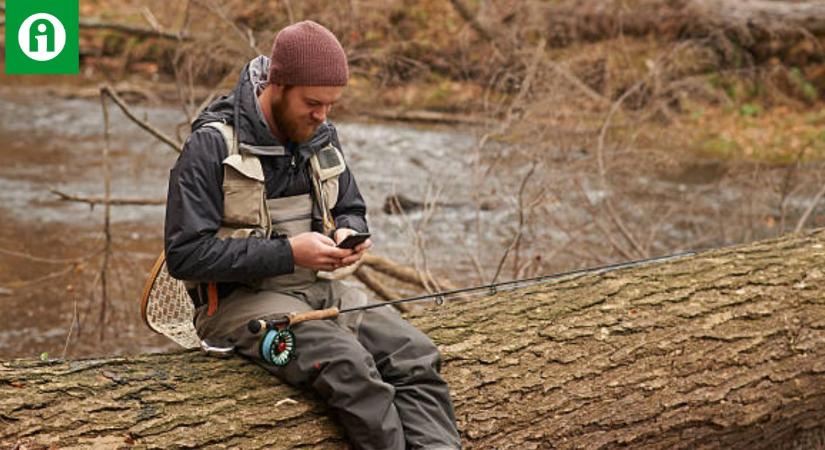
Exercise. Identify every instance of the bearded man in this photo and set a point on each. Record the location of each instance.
(257, 202)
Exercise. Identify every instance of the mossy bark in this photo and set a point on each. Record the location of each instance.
(722, 350)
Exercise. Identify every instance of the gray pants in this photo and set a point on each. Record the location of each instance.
(375, 370)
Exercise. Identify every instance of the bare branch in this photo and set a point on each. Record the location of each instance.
(577, 82)
(71, 330)
(611, 211)
(810, 209)
(427, 117)
(364, 275)
(471, 19)
(400, 272)
(244, 34)
(112, 201)
(520, 230)
(94, 24)
(49, 260)
(108, 91)
(107, 218)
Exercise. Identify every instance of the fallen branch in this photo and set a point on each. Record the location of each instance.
(97, 24)
(594, 20)
(401, 272)
(94, 24)
(39, 259)
(370, 281)
(428, 116)
(112, 201)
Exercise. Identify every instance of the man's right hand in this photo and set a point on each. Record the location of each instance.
(317, 252)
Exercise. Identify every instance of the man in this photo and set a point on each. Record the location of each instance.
(257, 202)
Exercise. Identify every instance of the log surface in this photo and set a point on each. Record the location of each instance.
(749, 21)
(725, 349)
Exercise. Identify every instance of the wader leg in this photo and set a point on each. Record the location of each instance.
(329, 359)
(408, 360)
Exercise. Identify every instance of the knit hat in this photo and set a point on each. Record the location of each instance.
(307, 54)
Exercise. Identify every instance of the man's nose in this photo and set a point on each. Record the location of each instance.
(320, 114)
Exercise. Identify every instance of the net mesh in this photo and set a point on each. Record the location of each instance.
(169, 310)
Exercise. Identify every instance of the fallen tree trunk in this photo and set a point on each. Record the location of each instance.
(747, 20)
(723, 350)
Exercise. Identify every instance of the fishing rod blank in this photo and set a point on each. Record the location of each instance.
(255, 326)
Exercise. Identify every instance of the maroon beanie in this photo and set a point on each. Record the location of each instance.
(307, 54)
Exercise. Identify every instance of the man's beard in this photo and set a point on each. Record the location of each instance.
(290, 126)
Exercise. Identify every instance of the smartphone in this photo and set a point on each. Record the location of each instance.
(353, 240)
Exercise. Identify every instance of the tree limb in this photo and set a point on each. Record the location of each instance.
(163, 137)
(93, 200)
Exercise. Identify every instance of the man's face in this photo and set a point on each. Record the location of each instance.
(299, 110)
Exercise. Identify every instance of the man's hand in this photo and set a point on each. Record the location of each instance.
(318, 252)
(359, 250)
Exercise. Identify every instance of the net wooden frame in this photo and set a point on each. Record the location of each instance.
(166, 307)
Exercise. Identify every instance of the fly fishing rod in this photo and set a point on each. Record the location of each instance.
(255, 326)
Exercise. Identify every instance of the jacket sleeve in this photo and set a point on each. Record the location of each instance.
(350, 210)
(194, 209)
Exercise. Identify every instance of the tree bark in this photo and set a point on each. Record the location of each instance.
(722, 350)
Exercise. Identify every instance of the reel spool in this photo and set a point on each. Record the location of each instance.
(278, 346)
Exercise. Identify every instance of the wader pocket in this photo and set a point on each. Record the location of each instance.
(327, 163)
(243, 191)
(291, 215)
(330, 188)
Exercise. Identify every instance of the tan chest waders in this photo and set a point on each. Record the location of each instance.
(165, 305)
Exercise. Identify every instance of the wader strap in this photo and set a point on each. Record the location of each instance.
(228, 136)
(326, 165)
(326, 212)
(212, 290)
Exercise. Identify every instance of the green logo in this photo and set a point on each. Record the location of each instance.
(42, 36)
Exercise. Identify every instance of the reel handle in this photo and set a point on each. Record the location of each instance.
(255, 326)
(320, 314)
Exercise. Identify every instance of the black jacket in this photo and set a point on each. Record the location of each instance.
(195, 200)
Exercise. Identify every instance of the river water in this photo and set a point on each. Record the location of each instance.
(50, 303)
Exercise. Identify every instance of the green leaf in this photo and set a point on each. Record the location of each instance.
(750, 110)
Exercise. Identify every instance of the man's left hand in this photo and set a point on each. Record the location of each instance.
(358, 251)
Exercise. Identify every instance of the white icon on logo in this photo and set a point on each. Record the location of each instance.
(41, 37)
